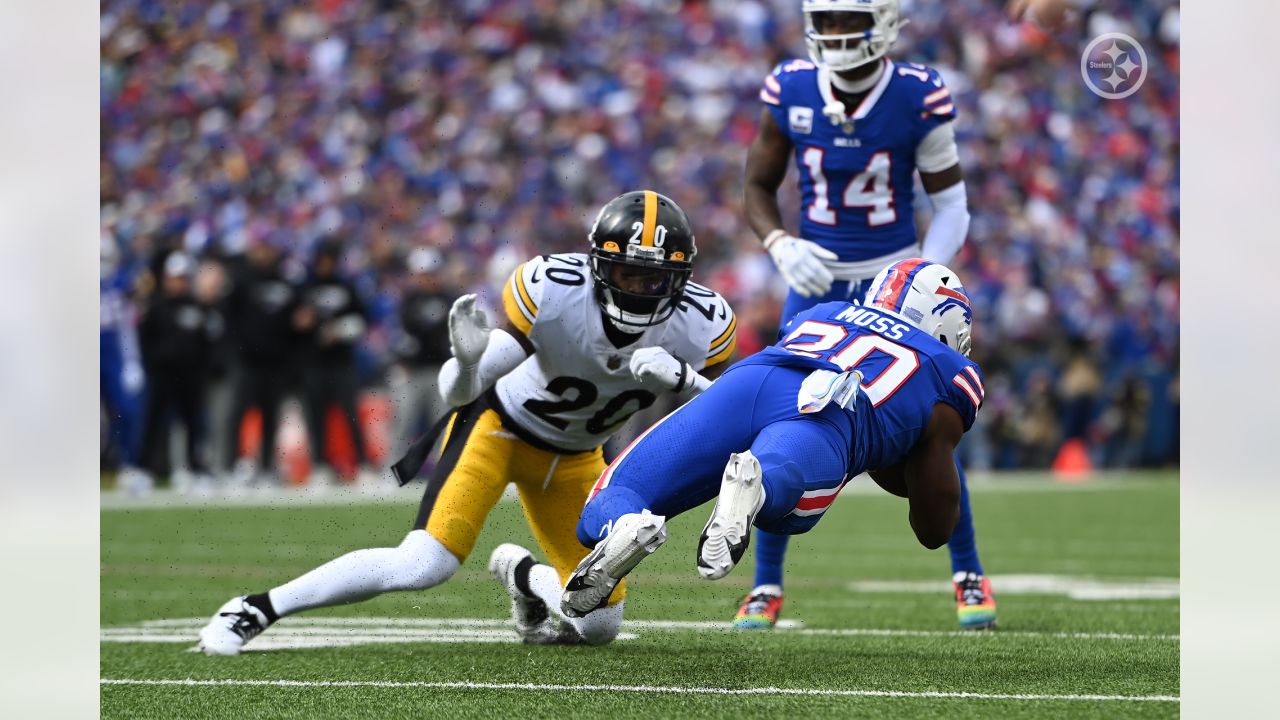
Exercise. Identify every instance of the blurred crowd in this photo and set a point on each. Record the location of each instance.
(293, 192)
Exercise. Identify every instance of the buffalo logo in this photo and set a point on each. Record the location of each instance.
(953, 298)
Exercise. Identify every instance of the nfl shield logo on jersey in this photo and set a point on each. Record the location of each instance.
(801, 119)
(614, 362)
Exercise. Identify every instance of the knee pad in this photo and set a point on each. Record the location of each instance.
(424, 562)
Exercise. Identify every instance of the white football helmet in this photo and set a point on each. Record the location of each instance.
(929, 296)
(856, 49)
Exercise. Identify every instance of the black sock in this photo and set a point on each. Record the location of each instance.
(262, 601)
(522, 575)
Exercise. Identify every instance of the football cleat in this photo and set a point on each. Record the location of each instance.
(236, 623)
(634, 537)
(760, 609)
(528, 611)
(975, 602)
(728, 532)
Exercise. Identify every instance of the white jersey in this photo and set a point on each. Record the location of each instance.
(576, 389)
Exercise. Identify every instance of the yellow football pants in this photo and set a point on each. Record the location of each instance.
(553, 489)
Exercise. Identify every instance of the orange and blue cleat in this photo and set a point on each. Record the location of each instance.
(975, 602)
(760, 609)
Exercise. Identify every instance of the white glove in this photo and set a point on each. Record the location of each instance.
(800, 262)
(656, 366)
(468, 331)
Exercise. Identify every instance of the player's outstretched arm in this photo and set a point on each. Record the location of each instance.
(933, 485)
(480, 355)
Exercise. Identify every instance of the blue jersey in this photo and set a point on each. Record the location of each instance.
(857, 177)
(905, 371)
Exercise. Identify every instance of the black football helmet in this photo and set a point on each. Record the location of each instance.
(641, 258)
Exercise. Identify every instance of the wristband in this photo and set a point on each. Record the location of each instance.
(772, 237)
(684, 374)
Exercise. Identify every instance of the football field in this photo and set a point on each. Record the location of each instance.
(1086, 577)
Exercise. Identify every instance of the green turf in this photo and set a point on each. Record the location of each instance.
(184, 562)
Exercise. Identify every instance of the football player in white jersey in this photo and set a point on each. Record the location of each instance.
(588, 340)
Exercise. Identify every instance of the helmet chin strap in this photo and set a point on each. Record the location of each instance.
(832, 108)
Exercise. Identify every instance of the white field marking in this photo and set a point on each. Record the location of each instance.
(866, 601)
(979, 483)
(298, 633)
(657, 689)
(427, 622)
(303, 634)
(1074, 587)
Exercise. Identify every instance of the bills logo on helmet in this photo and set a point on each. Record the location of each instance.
(953, 297)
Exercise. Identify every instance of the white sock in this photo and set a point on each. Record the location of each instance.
(597, 628)
(418, 563)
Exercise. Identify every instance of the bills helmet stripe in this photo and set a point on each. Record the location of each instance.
(894, 292)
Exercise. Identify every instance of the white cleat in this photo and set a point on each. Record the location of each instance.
(236, 623)
(634, 537)
(528, 611)
(728, 532)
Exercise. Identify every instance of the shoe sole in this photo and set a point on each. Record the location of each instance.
(727, 535)
(597, 575)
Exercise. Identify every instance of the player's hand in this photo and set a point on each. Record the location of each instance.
(800, 262)
(468, 331)
(655, 366)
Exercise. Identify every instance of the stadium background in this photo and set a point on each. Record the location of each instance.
(492, 131)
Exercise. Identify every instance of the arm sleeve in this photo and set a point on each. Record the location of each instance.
(950, 224)
(459, 386)
(938, 150)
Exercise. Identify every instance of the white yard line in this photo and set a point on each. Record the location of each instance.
(655, 689)
(392, 626)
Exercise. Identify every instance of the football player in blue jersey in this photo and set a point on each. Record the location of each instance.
(859, 126)
(885, 387)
